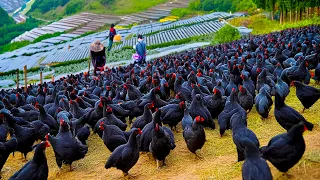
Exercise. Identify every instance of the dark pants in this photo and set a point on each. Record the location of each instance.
(98, 62)
(110, 44)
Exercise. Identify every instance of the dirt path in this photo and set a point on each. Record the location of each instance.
(219, 156)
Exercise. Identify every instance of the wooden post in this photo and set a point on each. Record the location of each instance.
(41, 77)
(25, 71)
(17, 78)
(52, 77)
(89, 64)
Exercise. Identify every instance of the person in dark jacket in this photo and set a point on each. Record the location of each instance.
(112, 33)
(98, 55)
(141, 49)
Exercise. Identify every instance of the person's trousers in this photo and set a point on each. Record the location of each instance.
(110, 44)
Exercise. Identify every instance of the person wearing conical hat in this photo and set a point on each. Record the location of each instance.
(98, 55)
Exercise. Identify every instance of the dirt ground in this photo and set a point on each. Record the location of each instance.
(219, 162)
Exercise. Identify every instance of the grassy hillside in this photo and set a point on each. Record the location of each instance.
(54, 9)
(5, 19)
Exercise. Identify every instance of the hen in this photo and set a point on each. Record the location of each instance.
(287, 116)
(125, 156)
(197, 108)
(160, 145)
(66, 147)
(6, 148)
(240, 132)
(26, 136)
(254, 167)
(37, 168)
(263, 102)
(172, 114)
(146, 118)
(112, 136)
(194, 135)
(285, 150)
(245, 99)
(307, 95)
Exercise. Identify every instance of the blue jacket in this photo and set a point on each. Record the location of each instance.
(141, 49)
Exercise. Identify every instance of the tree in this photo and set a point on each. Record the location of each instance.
(227, 34)
(271, 4)
(5, 19)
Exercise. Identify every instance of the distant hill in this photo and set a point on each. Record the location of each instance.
(55, 9)
(11, 5)
(5, 19)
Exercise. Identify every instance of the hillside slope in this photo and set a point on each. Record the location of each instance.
(5, 19)
(11, 5)
(53, 9)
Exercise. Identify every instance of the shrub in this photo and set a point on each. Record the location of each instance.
(74, 7)
(180, 12)
(226, 34)
(13, 46)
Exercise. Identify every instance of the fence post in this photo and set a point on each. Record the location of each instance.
(17, 78)
(89, 64)
(25, 77)
(52, 77)
(41, 77)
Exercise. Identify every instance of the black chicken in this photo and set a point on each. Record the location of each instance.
(160, 145)
(172, 114)
(6, 148)
(287, 116)
(307, 95)
(254, 167)
(125, 156)
(37, 168)
(194, 135)
(144, 119)
(197, 108)
(112, 136)
(66, 147)
(285, 150)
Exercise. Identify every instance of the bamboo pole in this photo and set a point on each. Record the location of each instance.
(89, 64)
(25, 71)
(52, 77)
(41, 81)
(17, 78)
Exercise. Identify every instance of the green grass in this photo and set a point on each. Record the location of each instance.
(118, 7)
(13, 46)
(186, 12)
(262, 25)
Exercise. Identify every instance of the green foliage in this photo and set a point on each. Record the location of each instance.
(223, 5)
(246, 5)
(226, 34)
(9, 32)
(44, 6)
(13, 46)
(262, 25)
(74, 7)
(96, 5)
(5, 19)
(68, 7)
(180, 12)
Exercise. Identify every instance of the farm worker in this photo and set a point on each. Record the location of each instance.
(112, 33)
(98, 56)
(141, 49)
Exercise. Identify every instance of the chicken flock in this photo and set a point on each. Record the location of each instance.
(128, 106)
